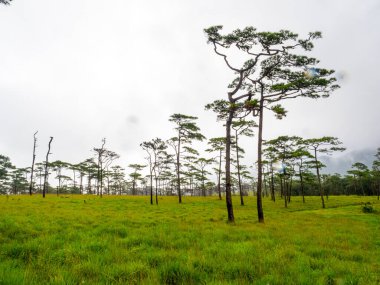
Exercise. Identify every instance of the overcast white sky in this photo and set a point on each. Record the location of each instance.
(81, 70)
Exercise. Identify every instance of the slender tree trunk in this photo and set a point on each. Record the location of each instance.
(75, 185)
(44, 191)
(203, 184)
(260, 211)
(81, 184)
(361, 186)
(302, 188)
(40, 176)
(273, 196)
(290, 187)
(230, 210)
(238, 169)
(34, 158)
(319, 179)
(98, 178)
(178, 170)
(89, 184)
(355, 187)
(134, 187)
(101, 180)
(265, 192)
(59, 182)
(285, 191)
(156, 191)
(219, 175)
(151, 187)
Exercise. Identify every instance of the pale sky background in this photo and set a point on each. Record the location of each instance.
(81, 70)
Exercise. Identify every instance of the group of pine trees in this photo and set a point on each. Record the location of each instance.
(275, 68)
(291, 167)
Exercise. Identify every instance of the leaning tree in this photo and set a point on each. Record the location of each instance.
(275, 70)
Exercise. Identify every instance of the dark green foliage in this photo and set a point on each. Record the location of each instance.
(367, 208)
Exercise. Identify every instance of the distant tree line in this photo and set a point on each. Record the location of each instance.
(289, 169)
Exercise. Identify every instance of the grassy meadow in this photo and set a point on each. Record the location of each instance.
(75, 239)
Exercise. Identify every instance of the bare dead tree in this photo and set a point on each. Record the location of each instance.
(100, 152)
(46, 169)
(34, 158)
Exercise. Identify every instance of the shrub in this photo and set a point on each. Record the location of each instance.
(367, 208)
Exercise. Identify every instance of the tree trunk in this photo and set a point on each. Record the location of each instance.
(265, 192)
(260, 212)
(75, 185)
(151, 188)
(81, 184)
(219, 174)
(98, 178)
(290, 188)
(285, 191)
(230, 210)
(319, 179)
(178, 169)
(59, 182)
(44, 191)
(273, 196)
(203, 184)
(89, 184)
(238, 169)
(34, 158)
(156, 191)
(108, 185)
(40, 174)
(101, 180)
(301, 180)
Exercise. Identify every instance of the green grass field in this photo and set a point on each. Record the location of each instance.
(110, 240)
